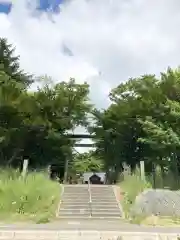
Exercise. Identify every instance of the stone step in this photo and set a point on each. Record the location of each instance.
(75, 205)
(107, 203)
(101, 201)
(82, 201)
(74, 217)
(106, 210)
(86, 203)
(106, 214)
(100, 186)
(94, 208)
(104, 202)
(78, 202)
(103, 198)
(104, 207)
(74, 211)
(101, 189)
(78, 205)
(102, 194)
(76, 189)
(75, 198)
(75, 192)
(74, 208)
(70, 215)
(110, 190)
(99, 193)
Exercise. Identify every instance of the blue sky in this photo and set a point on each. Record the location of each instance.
(5, 8)
(43, 5)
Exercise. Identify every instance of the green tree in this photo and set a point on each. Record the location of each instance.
(9, 64)
(142, 123)
(86, 162)
(34, 124)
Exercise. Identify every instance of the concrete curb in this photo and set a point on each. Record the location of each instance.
(60, 201)
(84, 235)
(117, 194)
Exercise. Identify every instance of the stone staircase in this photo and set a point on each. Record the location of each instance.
(94, 201)
(75, 202)
(103, 202)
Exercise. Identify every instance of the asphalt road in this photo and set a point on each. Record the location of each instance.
(89, 225)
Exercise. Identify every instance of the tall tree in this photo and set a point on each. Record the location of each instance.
(142, 123)
(9, 63)
(34, 124)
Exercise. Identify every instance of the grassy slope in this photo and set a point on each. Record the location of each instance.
(33, 199)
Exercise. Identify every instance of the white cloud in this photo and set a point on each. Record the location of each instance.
(117, 39)
(111, 40)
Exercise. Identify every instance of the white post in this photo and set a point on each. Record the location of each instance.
(25, 168)
(142, 170)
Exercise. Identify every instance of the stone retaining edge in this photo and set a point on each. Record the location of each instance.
(117, 193)
(60, 200)
(93, 235)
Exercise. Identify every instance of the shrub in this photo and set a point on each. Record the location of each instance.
(33, 198)
(132, 185)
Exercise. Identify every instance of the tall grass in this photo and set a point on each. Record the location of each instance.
(132, 185)
(32, 198)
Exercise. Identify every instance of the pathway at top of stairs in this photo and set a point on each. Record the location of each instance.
(98, 201)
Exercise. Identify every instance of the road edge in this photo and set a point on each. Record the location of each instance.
(104, 235)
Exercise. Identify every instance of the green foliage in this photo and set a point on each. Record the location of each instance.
(142, 123)
(86, 162)
(33, 125)
(132, 186)
(9, 64)
(35, 198)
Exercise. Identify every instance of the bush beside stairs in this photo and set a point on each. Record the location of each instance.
(82, 201)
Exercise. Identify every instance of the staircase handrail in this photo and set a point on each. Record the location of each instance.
(90, 197)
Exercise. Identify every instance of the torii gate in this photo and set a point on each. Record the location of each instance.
(81, 136)
(76, 137)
